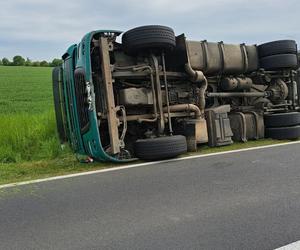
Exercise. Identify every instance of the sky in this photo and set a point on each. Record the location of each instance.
(43, 29)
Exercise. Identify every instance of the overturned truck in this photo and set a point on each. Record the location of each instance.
(155, 95)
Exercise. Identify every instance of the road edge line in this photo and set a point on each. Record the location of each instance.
(292, 246)
(59, 177)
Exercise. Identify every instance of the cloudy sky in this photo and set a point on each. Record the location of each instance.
(43, 29)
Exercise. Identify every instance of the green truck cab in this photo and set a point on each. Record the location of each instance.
(75, 84)
(156, 95)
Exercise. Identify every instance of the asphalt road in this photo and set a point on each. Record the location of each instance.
(246, 200)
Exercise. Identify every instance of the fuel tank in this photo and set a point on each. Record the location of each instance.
(247, 125)
(220, 58)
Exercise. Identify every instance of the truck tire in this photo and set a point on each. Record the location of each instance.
(277, 47)
(56, 74)
(160, 147)
(282, 119)
(279, 62)
(147, 38)
(283, 133)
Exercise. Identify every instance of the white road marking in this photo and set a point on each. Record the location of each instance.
(142, 164)
(292, 246)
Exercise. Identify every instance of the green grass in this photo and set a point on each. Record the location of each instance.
(25, 90)
(27, 127)
(28, 137)
(11, 172)
(29, 148)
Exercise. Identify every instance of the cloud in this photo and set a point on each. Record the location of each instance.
(43, 29)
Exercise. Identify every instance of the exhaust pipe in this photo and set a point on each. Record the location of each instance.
(198, 77)
(185, 107)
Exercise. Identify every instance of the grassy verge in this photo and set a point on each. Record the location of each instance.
(68, 164)
(28, 139)
(62, 165)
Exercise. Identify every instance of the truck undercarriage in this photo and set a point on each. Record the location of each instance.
(156, 95)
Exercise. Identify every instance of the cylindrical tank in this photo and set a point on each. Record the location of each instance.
(236, 83)
(220, 58)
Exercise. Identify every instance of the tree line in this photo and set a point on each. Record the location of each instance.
(20, 61)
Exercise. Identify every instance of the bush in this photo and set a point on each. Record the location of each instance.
(28, 62)
(5, 61)
(18, 61)
(36, 64)
(44, 64)
(56, 62)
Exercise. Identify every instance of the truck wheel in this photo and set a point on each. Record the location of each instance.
(282, 119)
(283, 132)
(160, 147)
(277, 47)
(279, 61)
(147, 38)
(56, 75)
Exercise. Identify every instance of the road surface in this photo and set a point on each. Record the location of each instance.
(245, 200)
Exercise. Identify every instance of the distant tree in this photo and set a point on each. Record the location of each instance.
(56, 62)
(36, 64)
(44, 64)
(1, 62)
(28, 62)
(5, 61)
(18, 61)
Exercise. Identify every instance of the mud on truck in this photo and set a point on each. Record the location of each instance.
(154, 95)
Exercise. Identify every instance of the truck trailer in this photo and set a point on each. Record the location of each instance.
(149, 94)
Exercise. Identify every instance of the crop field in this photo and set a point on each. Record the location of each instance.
(25, 90)
(27, 127)
(29, 146)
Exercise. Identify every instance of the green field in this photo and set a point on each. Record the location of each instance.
(27, 127)
(25, 90)
(29, 147)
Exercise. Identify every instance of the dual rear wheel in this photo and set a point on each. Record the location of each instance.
(282, 125)
(278, 55)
